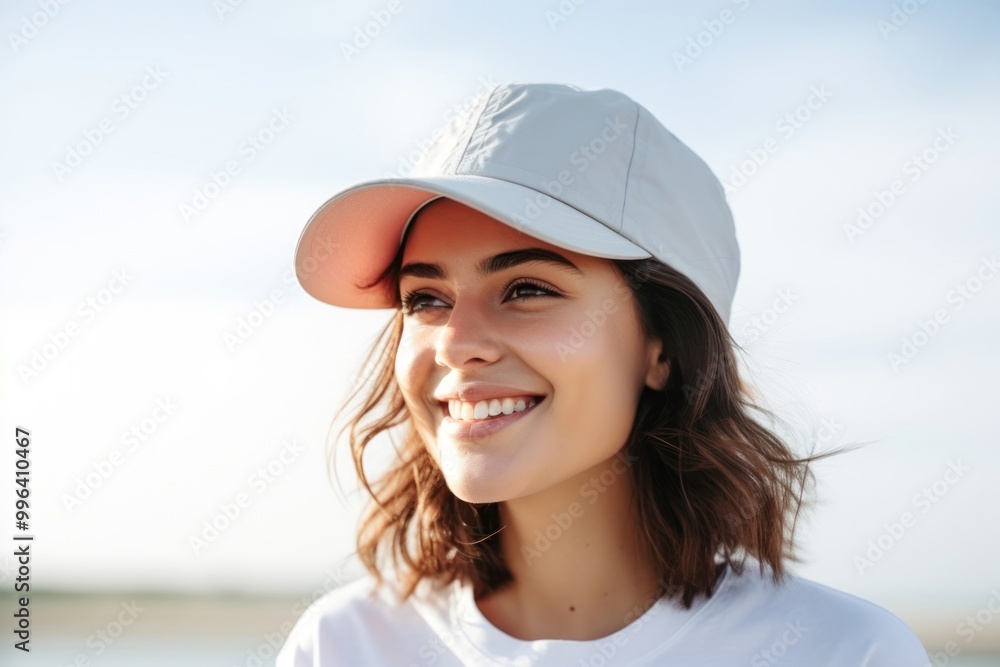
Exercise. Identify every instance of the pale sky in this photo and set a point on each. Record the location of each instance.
(116, 115)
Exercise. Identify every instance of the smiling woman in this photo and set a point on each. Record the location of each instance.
(471, 341)
(581, 475)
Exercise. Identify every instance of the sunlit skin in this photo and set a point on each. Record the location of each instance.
(468, 327)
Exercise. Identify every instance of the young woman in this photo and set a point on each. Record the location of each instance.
(578, 477)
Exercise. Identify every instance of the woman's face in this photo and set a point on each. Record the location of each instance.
(522, 329)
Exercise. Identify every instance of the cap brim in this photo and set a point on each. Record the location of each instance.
(353, 237)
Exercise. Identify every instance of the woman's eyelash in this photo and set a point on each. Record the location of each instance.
(410, 299)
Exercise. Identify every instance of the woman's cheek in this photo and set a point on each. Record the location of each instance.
(407, 363)
(600, 379)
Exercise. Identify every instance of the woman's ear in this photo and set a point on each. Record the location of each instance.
(658, 368)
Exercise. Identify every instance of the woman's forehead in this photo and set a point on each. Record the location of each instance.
(446, 228)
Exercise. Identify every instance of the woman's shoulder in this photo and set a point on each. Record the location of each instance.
(354, 622)
(355, 599)
(357, 603)
(820, 619)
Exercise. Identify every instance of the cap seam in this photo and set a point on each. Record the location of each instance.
(628, 172)
(476, 128)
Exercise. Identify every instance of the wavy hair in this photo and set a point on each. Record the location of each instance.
(711, 484)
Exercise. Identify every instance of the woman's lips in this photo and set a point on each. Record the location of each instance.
(479, 428)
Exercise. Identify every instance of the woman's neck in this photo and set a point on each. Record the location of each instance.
(578, 568)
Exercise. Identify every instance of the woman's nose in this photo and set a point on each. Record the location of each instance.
(470, 335)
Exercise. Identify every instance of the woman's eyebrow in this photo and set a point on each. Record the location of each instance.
(494, 264)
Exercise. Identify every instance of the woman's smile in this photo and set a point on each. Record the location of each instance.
(480, 426)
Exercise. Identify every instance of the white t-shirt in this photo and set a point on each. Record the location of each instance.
(748, 621)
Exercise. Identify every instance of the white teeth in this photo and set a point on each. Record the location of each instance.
(461, 410)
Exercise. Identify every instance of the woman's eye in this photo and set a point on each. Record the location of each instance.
(412, 301)
(530, 287)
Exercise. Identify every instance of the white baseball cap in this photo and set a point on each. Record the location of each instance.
(590, 171)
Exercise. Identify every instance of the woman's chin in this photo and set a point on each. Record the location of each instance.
(485, 474)
(478, 490)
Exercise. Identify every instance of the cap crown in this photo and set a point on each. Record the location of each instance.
(605, 155)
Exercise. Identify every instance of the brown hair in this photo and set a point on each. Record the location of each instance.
(709, 481)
